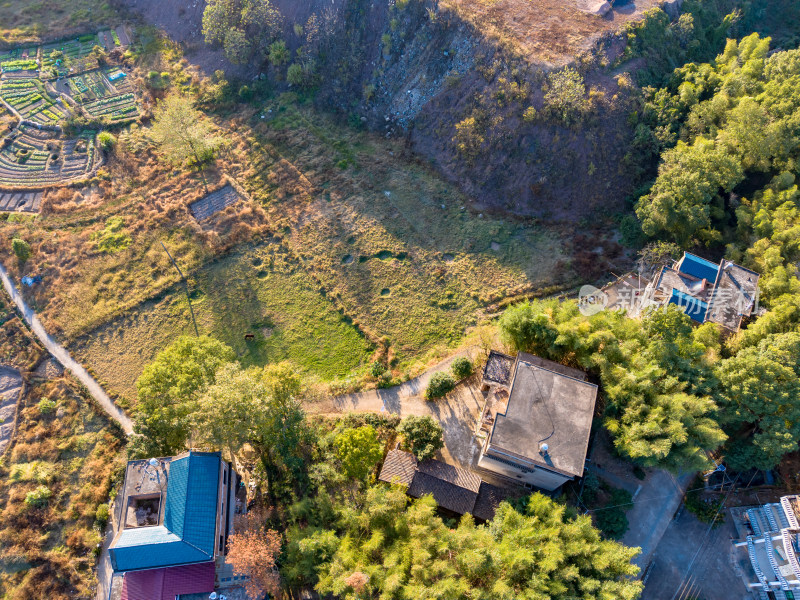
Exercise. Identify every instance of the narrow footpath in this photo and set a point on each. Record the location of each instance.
(62, 356)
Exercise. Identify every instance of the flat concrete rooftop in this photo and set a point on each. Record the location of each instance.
(549, 407)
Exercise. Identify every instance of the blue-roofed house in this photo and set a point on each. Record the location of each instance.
(176, 512)
(723, 293)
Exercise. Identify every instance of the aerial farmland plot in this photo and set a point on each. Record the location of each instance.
(34, 158)
(43, 87)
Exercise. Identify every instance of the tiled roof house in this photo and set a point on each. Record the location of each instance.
(455, 490)
(177, 514)
(723, 293)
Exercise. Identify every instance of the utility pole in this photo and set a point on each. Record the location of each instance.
(185, 287)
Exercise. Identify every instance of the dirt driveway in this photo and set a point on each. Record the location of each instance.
(457, 412)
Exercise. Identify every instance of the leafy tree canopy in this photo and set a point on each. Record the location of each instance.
(732, 119)
(423, 436)
(655, 375)
(761, 401)
(182, 132)
(359, 450)
(168, 390)
(260, 408)
(244, 27)
(391, 551)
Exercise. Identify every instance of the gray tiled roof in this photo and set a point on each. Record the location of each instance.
(489, 498)
(399, 467)
(447, 495)
(454, 489)
(450, 474)
(734, 295)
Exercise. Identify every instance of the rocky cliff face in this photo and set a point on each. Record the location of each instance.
(427, 74)
(463, 81)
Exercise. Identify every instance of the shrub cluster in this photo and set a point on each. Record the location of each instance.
(441, 384)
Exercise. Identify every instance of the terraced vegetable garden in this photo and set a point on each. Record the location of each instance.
(73, 56)
(33, 158)
(38, 85)
(32, 101)
(103, 93)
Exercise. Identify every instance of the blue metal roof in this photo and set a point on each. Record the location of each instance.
(698, 267)
(694, 307)
(192, 493)
(190, 519)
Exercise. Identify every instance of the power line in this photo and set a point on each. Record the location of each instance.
(185, 287)
(705, 537)
(642, 499)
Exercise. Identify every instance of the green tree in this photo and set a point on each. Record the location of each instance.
(566, 94)
(302, 74)
(423, 436)
(228, 412)
(390, 551)
(657, 417)
(260, 408)
(182, 132)
(673, 345)
(106, 140)
(21, 248)
(237, 46)
(760, 401)
(682, 202)
(241, 26)
(168, 390)
(440, 384)
(359, 450)
(461, 367)
(278, 53)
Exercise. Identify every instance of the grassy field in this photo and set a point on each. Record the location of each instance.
(34, 20)
(371, 256)
(387, 237)
(347, 251)
(258, 291)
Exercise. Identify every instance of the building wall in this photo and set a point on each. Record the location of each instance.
(541, 478)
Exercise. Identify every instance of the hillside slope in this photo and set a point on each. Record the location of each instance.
(421, 70)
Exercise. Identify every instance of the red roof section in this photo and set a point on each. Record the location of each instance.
(165, 584)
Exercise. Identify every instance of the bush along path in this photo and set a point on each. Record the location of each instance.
(62, 356)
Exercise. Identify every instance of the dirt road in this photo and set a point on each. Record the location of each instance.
(61, 354)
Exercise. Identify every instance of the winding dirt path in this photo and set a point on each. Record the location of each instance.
(61, 355)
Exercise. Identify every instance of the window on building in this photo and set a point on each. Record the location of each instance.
(225, 476)
(510, 463)
(221, 543)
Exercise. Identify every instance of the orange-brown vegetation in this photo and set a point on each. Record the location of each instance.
(72, 451)
(252, 551)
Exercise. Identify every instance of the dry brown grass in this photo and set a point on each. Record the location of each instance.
(553, 32)
(47, 552)
(418, 277)
(26, 21)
